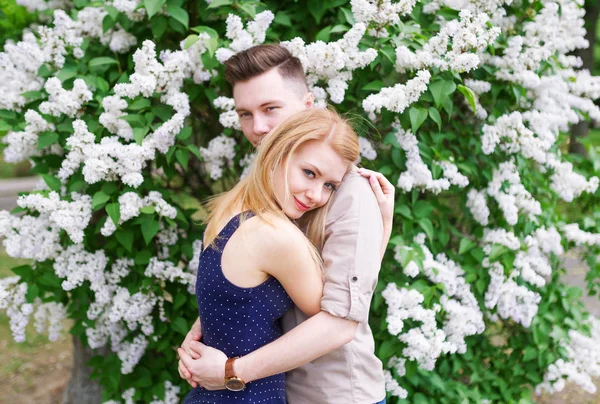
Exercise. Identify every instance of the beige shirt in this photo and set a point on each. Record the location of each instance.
(351, 256)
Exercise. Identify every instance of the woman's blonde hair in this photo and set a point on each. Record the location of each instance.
(256, 192)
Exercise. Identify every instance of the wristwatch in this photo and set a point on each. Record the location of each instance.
(232, 382)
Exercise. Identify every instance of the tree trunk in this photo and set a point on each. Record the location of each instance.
(80, 388)
(592, 10)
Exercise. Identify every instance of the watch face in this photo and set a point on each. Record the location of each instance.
(235, 384)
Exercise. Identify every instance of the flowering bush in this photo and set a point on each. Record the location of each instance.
(125, 115)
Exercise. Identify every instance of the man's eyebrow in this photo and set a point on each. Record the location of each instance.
(264, 104)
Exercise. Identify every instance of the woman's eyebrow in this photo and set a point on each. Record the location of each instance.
(314, 167)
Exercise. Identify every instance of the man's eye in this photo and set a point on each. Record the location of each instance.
(244, 114)
(271, 108)
(309, 173)
(330, 186)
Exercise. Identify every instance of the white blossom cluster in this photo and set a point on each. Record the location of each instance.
(76, 265)
(463, 317)
(48, 316)
(196, 67)
(467, 36)
(195, 261)
(229, 117)
(382, 12)
(513, 197)
(19, 64)
(130, 204)
(477, 205)
(567, 183)
(580, 237)
(111, 117)
(131, 8)
(23, 145)
(131, 352)
(418, 174)
(524, 55)
(67, 102)
(246, 163)
(332, 62)
(135, 310)
(392, 386)
(367, 150)
(582, 365)
(532, 265)
(12, 299)
(167, 271)
(72, 217)
(171, 395)
(29, 237)
(398, 97)
(41, 5)
(242, 39)
(220, 152)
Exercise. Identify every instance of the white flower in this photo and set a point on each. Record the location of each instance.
(220, 152)
(242, 39)
(398, 97)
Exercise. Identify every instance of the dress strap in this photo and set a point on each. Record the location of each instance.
(231, 227)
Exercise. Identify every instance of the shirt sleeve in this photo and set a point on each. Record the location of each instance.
(351, 253)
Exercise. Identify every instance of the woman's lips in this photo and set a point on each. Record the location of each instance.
(300, 205)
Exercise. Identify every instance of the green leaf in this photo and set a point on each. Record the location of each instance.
(24, 271)
(406, 255)
(375, 85)
(180, 325)
(114, 211)
(139, 134)
(427, 226)
(109, 188)
(465, 245)
(148, 209)
(142, 258)
(190, 40)
(153, 6)
(179, 301)
(99, 199)
(102, 84)
(46, 139)
(282, 18)
(404, 211)
(67, 72)
(102, 61)
(339, 28)
(249, 9)
(213, 42)
(194, 149)
(434, 114)
(33, 291)
(530, 353)
(179, 14)
(469, 95)
(423, 209)
(183, 156)
(112, 11)
(440, 90)
(417, 117)
(159, 26)
(219, 3)
(52, 182)
(185, 133)
(50, 279)
(149, 229)
(125, 238)
(496, 251)
(323, 35)
(138, 104)
(349, 16)
(107, 23)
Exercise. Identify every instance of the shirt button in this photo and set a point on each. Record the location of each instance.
(354, 279)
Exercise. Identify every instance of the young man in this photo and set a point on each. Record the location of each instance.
(329, 358)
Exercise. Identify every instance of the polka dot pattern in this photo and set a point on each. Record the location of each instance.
(238, 321)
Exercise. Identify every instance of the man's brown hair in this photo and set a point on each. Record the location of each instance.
(259, 59)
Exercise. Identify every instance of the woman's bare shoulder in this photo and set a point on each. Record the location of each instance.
(274, 233)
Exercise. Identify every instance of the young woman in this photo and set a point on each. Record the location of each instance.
(257, 262)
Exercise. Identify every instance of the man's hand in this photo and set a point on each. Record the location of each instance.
(208, 371)
(195, 334)
(384, 192)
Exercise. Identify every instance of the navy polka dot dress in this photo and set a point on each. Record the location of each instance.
(238, 321)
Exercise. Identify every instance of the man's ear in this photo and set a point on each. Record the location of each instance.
(308, 100)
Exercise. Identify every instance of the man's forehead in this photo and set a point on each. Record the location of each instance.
(256, 100)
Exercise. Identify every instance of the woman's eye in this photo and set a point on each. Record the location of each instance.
(309, 173)
(330, 186)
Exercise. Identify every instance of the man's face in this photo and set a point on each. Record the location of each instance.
(265, 101)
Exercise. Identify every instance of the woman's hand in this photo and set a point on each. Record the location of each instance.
(195, 334)
(208, 371)
(384, 192)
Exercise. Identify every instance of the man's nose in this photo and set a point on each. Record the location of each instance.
(260, 127)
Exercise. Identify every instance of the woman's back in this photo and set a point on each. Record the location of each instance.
(238, 320)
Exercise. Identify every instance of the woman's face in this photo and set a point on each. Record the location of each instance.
(315, 170)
